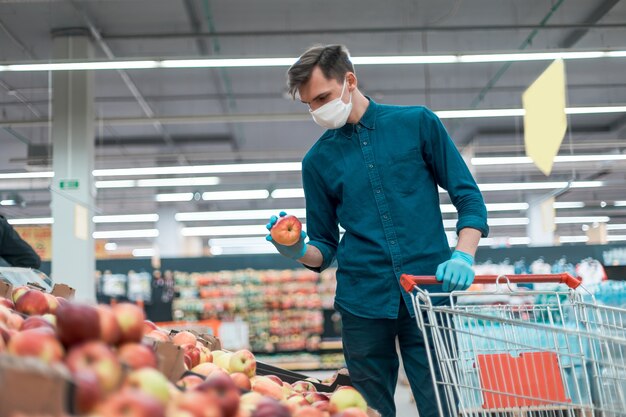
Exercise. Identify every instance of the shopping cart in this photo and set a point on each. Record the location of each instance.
(560, 354)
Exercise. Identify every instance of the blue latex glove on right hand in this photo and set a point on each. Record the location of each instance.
(457, 273)
(295, 251)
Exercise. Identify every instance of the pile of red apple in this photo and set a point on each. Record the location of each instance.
(115, 374)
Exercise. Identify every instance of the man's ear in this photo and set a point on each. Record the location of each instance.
(352, 81)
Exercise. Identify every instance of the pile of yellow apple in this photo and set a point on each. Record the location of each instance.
(115, 374)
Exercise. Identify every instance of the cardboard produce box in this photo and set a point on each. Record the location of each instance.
(29, 386)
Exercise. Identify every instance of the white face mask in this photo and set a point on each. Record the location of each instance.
(333, 114)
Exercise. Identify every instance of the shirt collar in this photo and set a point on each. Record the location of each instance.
(367, 120)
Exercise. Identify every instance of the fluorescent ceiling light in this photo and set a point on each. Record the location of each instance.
(110, 246)
(514, 221)
(511, 241)
(127, 218)
(588, 219)
(143, 252)
(116, 184)
(573, 239)
(238, 241)
(7, 202)
(126, 234)
(595, 110)
(449, 208)
(514, 160)
(287, 61)
(200, 169)
(178, 182)
(616, 227)
(82, 66)
(288, 193)
(174, 197)
(620, 204)
(159, 182)
(236, 215)
(26, 175)
(228, 63)
(236, 195)
(249, 230)
(519, 240)
(31, 221)
(568, 204)
(616, 238)
(243, 250)
(470, 114)
(515, 186)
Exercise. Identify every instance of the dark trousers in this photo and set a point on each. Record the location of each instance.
(370, 351)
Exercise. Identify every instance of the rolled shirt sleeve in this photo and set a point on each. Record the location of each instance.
(321, 218)
(452, 174)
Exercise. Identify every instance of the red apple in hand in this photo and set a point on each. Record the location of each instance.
(39, 343)
(130, 318)
(286, 230)
(76, 323)
(137, 356)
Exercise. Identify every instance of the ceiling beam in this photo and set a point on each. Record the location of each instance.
(358, 30)
(589, 22)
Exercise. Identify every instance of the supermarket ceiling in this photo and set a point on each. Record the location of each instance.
(203, 116)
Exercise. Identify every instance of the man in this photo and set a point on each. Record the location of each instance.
(14, 250)
(376, 171)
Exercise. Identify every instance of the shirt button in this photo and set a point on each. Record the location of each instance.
(365, 143)
(371, 166)
(358, 128)
(377, 191)
(393, 242)
(385, 216)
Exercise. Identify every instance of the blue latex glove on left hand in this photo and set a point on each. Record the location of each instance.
(457, 273)
(295, 251)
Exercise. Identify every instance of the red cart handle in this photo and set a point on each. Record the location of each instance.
(409, 282)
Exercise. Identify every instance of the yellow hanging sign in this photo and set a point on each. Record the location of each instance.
(545, 121)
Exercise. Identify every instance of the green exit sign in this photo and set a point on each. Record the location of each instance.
(69, 184)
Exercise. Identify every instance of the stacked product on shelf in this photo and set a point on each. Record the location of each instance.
(283, 309)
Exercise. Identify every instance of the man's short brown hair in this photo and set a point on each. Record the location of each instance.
(333, 60)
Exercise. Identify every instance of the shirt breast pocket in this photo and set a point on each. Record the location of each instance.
(407, 172)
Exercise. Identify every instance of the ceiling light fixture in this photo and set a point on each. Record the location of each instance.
(173, 197)
(516, 160)
(127, 218)
(126, 234)
(288, 61)
(236, 195)
(32, 221)
(237, 215)
(200, 169)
